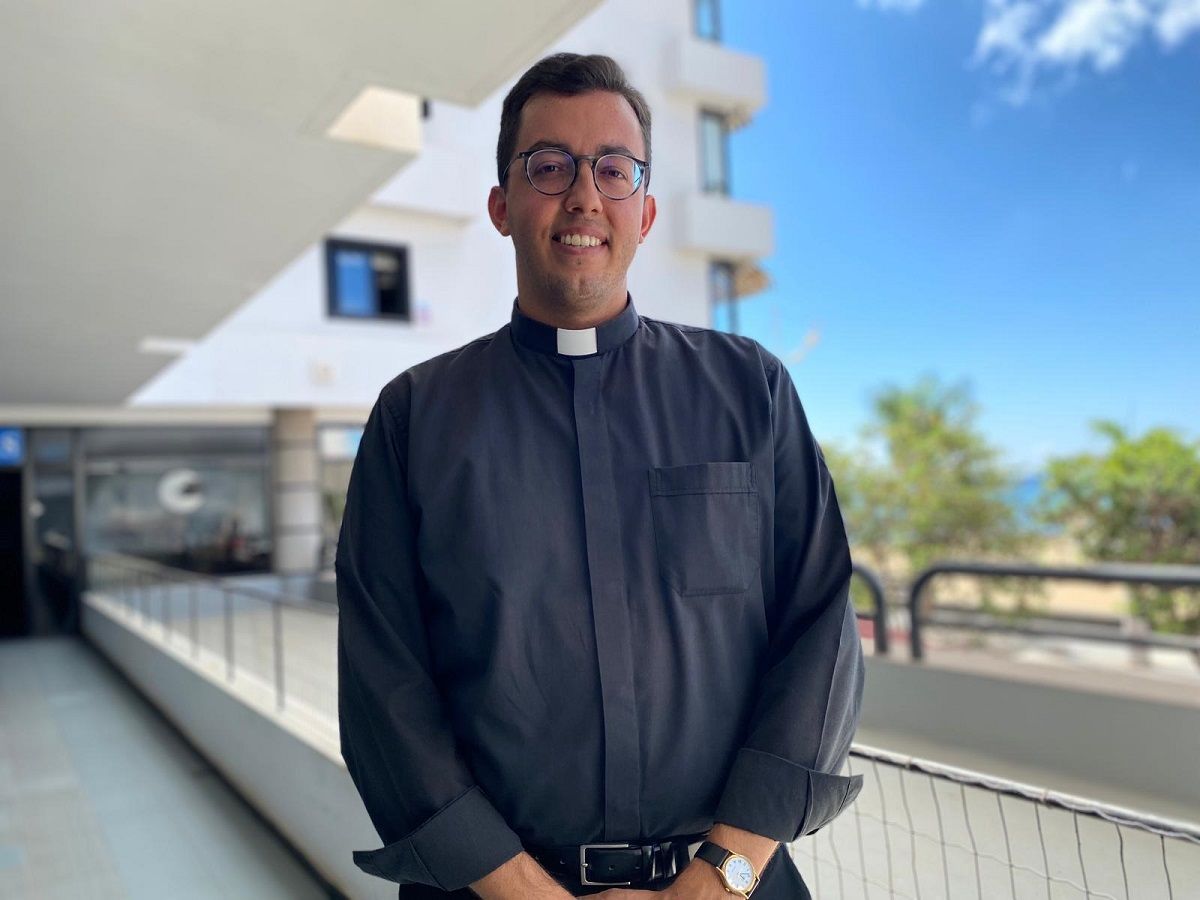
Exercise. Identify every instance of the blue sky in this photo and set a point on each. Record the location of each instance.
(1005, 192)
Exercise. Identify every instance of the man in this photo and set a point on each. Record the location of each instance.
(592, 573)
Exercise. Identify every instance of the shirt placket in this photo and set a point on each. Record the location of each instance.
(610, 609)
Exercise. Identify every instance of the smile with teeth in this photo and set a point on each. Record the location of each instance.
(579, 240)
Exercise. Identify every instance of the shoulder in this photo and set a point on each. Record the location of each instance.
(736, 349)
(396, 395)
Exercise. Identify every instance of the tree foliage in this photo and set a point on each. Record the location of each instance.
(1139, 501)
(924, 484)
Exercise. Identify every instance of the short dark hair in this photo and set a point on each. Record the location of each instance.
(567, 74)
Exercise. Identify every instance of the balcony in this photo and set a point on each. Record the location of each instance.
(445, 182)
(250, 678)
(720, 226)
(715, 77)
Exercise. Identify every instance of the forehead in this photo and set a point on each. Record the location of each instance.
(581, 123)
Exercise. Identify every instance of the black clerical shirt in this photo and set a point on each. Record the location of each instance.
(593, 586)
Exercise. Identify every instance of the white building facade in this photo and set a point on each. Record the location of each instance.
(288, 346)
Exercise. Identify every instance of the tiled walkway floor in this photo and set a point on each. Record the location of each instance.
(100, 798)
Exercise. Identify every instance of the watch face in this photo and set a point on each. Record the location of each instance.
(739, 873)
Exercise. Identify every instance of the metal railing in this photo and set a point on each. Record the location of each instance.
(1109, 573)
(918, 830)
(234, 630)
(878, 613)
(922, 830)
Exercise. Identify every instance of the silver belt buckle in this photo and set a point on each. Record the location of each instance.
(583, 864)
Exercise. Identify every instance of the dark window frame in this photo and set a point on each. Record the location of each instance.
(400, 251)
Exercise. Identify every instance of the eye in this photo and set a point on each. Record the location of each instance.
(616, 169)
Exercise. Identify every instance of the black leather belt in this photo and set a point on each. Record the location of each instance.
(618, 864)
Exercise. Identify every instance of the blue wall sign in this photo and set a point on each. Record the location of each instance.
(12, 446)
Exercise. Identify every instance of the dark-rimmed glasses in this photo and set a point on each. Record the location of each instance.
(551, 171)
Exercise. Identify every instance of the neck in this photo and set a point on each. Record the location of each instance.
(563, 316)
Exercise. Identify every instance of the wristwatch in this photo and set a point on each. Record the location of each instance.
(735, 870)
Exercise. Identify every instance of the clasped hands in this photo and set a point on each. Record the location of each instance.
(699, 881)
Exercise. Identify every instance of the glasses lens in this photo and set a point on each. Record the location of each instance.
(550, 171)
(617, 176)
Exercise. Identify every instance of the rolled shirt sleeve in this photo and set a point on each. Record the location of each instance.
(437, 825)
(783, 782)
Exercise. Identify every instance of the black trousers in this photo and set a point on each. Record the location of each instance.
(780, 881)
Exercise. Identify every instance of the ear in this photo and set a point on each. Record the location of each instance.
(649, 211)
(498, 210)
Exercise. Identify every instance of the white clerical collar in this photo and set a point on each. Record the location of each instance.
(576, 342)
(573, 342)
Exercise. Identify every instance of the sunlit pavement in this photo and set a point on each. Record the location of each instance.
(101, 798)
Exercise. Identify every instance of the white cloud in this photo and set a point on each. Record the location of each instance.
(888, 5)
(1102, 31)
(1178, 21)
(1028, 41)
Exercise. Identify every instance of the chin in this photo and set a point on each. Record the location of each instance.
(580, 293)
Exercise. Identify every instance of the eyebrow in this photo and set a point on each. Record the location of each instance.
(562, 145)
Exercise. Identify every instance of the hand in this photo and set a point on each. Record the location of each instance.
(694, 883)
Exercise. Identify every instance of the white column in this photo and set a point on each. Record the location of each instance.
(295, 490)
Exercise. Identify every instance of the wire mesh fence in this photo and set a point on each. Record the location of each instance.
(923, 831)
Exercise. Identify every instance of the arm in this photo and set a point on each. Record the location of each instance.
(437, 826)
(784, 782)
(521, 878)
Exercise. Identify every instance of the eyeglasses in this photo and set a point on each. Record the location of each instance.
(552, 171)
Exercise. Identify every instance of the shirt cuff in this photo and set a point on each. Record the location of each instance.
(456, 846)
(777, 798)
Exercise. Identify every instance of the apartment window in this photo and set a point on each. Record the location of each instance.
(723, 296)
(367, 281)
(714, 153)
(707, 19)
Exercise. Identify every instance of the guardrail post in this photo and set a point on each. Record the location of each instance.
(166, 610)
(195, 623)
(228, 633)
(879, 607)
(915, 637)
(277, 617)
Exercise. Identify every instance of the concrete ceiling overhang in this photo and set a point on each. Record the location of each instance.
(160, 161)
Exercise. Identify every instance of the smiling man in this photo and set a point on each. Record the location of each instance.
(595, 635)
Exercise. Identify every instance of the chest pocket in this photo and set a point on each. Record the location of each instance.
(706, 526)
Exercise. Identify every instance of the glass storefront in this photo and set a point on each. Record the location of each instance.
(194, 498)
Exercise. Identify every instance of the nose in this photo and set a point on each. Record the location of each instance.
(583, 196)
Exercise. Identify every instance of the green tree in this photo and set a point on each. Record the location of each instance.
(1139, 501)
(923, 484)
